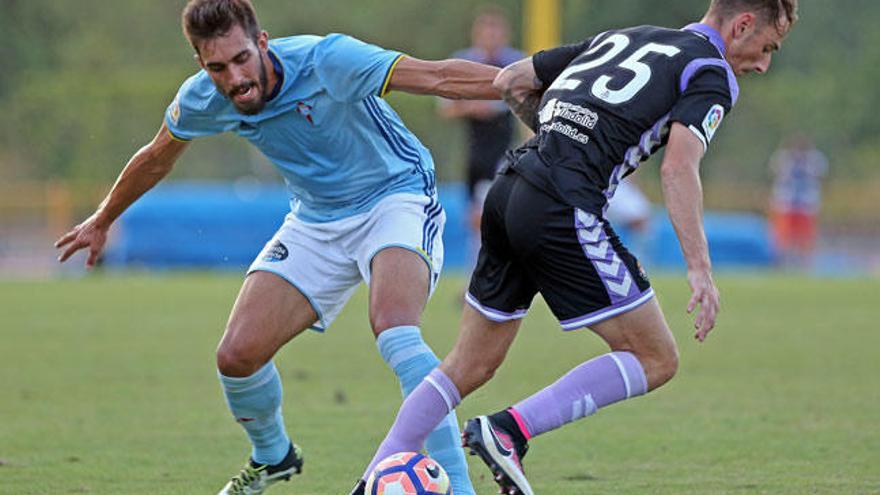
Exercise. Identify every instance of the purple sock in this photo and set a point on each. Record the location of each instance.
(422, 410)
(581, 392)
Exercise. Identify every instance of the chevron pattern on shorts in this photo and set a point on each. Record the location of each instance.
(610, 267)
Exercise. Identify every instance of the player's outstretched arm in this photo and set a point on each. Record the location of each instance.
(522, 90)
(683, 194)
(146, 168)
(455, 79)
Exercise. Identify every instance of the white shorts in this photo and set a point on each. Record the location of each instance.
(326, 261)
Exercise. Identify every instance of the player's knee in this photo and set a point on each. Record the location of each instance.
(660, 367)
(237, 361)
(383, 317)
(668, 367)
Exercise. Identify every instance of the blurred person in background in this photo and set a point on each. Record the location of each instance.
(798, 169)
(490, 125)
(364, 207)
(630, 211)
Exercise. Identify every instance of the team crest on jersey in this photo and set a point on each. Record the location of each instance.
(278, 252)
(175, 110)
(305, 110)
(713, 120)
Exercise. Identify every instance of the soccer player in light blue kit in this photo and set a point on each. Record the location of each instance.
(363, 200)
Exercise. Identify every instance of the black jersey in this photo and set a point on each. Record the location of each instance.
(610, 101)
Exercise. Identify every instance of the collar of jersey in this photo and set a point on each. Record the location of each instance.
(709, 32)
(279, 71)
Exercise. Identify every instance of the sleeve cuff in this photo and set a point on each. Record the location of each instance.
(384, 90)
(700, 137)
(171, 134)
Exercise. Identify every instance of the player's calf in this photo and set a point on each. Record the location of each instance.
(643, 333)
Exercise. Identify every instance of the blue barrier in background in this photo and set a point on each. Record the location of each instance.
(735, 240)
(224, 225)
(183, 224)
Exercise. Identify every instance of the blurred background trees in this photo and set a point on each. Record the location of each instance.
(85, 83)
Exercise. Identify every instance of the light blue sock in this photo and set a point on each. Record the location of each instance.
(255, 401)
(411, 359)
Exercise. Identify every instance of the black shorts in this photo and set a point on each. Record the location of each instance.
(532, 242)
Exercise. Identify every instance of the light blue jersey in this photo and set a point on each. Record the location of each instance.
(340, 147)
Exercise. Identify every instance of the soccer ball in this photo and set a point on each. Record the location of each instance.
(408, 473)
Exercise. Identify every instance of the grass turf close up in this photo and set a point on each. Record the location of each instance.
(109, 387)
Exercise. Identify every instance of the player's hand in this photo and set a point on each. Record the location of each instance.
(91, 235)
(704, 294)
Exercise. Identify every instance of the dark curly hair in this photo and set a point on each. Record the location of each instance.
(206, 19)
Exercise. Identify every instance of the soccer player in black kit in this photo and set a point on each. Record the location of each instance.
(599, 108)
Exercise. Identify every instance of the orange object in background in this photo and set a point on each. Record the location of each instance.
(793, 230)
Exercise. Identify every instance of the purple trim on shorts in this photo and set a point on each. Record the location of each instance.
(709, 32)
(618, 281)
(700, 63)
(494, 314)
(607, 312)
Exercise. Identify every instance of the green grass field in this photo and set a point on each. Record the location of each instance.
(108, 387)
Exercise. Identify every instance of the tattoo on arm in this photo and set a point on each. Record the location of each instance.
(522, 90)
(525, 107)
